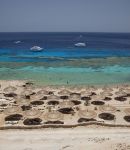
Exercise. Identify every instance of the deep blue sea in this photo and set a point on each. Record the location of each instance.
(104, 60)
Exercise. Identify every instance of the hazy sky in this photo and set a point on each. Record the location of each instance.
(65, 15)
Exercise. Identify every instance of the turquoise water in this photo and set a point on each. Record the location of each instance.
(104, 60)
(91, 71)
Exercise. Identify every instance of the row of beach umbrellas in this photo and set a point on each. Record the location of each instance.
(55, 115)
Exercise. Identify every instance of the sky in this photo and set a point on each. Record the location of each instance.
(64, 15)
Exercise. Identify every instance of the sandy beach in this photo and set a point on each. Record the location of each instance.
(59, 117)
(66, 139)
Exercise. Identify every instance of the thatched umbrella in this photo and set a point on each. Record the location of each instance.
(43, 92)
(53, 97)
(120, 93)
(75, 96)
(12, 110)
(107, 108)
(31, 88)
(64, 92)
(127, 91)
(53, 116)
(33, 113)
(76, 89)
(127, 111)
(86, 93)
(107, 89)
(1, 95)
(10, 89)
(27, 92)
(98, 97)
(3, 99)
(87, 114)
(36, 97)
(105, 93)
(66, 104)
(69, 88)
(3, 102)
(22, 101)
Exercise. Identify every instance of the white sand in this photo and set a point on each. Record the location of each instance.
(80, 138)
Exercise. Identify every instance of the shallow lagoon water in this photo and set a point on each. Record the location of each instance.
(87, 72)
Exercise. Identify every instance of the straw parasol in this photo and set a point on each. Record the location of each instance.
(107, 89)
(27, 92)
(12, 110)
(33, 113)
(66, 104)
(87, 114)
(76, 89)
(127, 91)
(64, 92)
(75, 96)
(53, 116)
(10, 89)
(98, 97)
(1, 95)
(106, 93)
(43, 92)
(36, 97)
(3, 102)
(86, 93)
(107, 108)
(22, 101)
(120, 93)
(53, 97)
(127, 111)
(30, 87)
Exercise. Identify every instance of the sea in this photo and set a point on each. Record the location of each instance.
(104, 60)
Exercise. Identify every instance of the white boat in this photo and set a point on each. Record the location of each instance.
(80, 44)
(36, 48)
(17, 42)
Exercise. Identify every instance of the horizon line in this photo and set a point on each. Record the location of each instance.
(58, 32)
